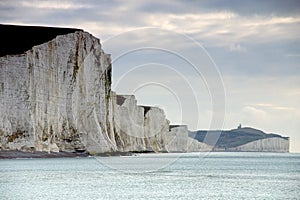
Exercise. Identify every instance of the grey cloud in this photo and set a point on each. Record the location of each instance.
(258, 60)
(262, 54)
(254, 7)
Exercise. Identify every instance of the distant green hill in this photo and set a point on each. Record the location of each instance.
(231, 138)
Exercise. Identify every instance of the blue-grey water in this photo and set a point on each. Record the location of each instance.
(154, 176)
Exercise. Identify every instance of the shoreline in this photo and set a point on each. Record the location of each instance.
(15, 154)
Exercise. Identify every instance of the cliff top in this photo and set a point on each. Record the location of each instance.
(18, 39)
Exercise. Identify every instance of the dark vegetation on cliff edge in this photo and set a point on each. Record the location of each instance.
(18, 39)
(233, 138)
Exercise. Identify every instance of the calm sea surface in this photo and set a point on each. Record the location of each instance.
(154, 176)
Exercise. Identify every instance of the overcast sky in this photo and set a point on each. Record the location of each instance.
(209, 64)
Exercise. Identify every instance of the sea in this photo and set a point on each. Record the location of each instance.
(211, 175)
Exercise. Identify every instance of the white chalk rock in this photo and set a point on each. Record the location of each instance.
(274, 144)
(57, 95)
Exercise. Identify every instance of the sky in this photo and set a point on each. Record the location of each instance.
(209, 64)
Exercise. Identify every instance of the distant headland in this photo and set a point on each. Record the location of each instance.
(243, 139)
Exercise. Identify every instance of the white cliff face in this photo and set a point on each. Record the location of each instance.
(128, 124)
(274, 144)
(196, 146)
(15, 124)
(156, 126)
(179, 141)
(57, 96)
(139, 128)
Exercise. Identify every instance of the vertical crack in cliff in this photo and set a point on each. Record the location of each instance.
(76, 60)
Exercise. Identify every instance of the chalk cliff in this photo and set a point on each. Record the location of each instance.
(179, 141)
(138, 128)
(274, 144)
(56, 96)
